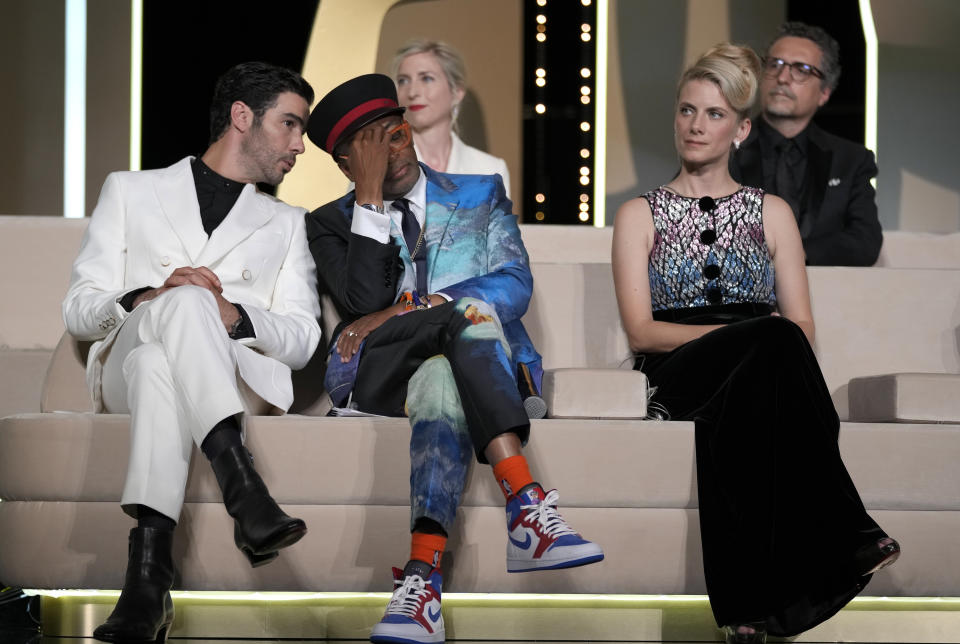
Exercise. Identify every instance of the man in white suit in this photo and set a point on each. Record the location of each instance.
(201, 293)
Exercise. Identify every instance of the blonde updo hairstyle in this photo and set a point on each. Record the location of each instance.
(451, 62)
(735, 69)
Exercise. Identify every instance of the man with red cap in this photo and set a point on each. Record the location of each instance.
(430, 278)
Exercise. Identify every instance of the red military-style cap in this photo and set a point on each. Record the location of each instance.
(350, 106)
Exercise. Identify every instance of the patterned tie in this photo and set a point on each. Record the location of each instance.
(411, 235)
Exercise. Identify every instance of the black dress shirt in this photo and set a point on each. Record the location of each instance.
(785, 166)
(216, 196)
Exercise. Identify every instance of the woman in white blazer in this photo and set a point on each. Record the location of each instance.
(431, 83)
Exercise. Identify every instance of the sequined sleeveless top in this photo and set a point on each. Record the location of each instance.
(705, 257)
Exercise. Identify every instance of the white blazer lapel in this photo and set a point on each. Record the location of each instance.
(177, 194)
(246, 216)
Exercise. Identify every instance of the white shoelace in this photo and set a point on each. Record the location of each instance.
(546, 514)
(406, 598)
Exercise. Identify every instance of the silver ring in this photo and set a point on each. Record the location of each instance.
(351, 333)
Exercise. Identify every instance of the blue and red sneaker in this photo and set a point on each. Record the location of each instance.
(413, 614)
(539, 538)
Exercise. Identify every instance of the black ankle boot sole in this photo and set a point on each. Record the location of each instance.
(161, 637)
(269, 551)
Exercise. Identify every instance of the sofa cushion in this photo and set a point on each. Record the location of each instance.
(595, 393)
(906, 398)
(65, 385)
(351, 548)
(21, 379)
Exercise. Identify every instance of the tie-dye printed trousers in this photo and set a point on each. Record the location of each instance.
(450, 370)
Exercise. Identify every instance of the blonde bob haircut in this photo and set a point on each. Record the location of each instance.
(451, 62)
(735, 69)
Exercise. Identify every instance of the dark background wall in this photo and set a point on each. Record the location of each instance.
(187, 44)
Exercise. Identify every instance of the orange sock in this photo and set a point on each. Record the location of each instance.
(427, 548)
(512, 474)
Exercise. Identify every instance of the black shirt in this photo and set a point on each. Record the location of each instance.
(216, 196)
(773, 146)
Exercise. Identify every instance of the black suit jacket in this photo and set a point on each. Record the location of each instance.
(360, 274)
(838, 214)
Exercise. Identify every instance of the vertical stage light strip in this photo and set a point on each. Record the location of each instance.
(873, 73)
(600, 117)
(75, 109)
(136, 81)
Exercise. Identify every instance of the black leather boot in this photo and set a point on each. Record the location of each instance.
(144, 611)
(261, 528)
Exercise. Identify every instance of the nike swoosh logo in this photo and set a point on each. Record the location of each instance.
(433, 616)
(523, 545)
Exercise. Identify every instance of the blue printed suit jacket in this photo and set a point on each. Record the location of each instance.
(473, 248)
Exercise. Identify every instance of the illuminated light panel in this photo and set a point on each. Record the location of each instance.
(584, 180)
(541, 37)
(585, 27)
(136, 81)
(541, 19)
(540, 197)
(873, 65)
(584, 197)
(584, 207)
(585, 153)
(541, 72)
(542, 3)
(571, 599)
(540, 108)
(584, 216)
(585, 100)
(75, 109)
(584, 89)
(584, 170)
(539, 215)
(540, 82)
(585, 37)
(541, 29)
(600, 118)
(585, 126)
(585, 72)
(585, 3)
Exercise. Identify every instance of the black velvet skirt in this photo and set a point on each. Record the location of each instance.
(780, 518)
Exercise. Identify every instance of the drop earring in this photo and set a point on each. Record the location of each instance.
(736, 144)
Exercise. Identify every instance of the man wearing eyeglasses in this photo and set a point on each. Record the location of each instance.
(430, 278)
(824, 178)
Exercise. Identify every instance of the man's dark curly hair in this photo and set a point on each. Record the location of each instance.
(830, 50)
(256, 84)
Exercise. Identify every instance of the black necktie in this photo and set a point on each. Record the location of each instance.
(415, 245)
(788, 185)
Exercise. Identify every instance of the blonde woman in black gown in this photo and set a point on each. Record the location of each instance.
(713, 295)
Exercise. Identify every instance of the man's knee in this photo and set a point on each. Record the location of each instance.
(145, 358)
(189, 299)
(476, 311)
(432, 393)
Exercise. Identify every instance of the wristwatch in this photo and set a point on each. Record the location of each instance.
(374, 207)
(235, 328)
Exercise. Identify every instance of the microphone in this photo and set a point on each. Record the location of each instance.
(535, 406)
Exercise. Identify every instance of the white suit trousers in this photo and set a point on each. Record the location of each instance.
(171, 367)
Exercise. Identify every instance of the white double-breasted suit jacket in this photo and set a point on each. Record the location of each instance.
(146, 224)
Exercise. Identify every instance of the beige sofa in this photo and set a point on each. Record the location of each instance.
(61, 469)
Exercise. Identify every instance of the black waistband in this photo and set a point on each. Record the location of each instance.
(714, 314)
